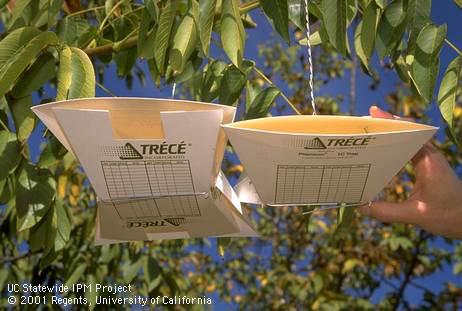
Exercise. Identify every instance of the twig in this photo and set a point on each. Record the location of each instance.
(354, 66)
(453, 46)
(96, 8)
(418, 286)
(262, 75)
(18, 257)
(4, 125)
(105, 89)
(409, 271)
(106, 18)
(249, 6)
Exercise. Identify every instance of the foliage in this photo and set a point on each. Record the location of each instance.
(48, 213)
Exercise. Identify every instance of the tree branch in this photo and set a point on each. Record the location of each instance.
(249, 6)
(264, 77)
(409, 271)
(453, 46)
(18, 257)
(132, 41)
(109, 48)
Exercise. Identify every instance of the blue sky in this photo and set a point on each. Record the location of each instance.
(444, 11)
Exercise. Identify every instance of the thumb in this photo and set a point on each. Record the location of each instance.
(404, 212)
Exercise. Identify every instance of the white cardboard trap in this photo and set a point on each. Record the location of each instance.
(297, 160)
(154, 164)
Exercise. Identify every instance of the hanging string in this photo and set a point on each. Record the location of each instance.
(310, 59)
(173, 90)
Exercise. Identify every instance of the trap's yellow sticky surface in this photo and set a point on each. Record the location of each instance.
(334, 125)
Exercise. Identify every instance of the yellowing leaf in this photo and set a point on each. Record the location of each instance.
(447, 94)
(76, 76)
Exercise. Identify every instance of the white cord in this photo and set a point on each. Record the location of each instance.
(310, 60)
(173, 90)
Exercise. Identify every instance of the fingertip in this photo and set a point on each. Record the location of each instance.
(390, 212)
(376, 112)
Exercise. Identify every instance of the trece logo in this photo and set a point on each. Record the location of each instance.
(317, 143)
(346, 142)
(164, 148)
(314, 143)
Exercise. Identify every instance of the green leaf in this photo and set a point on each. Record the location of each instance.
(359, 47)
(222, 245)
(131, 270)
(184, 40)
(24, 119)
(75, 31)
(146, 37)
(153, 9)
(418, 16)
(76, 275)
(344, 218)
(262, 103)
(41, 71)
(9, 154)
(232, 83)
(35, 192)
(391, 28)
(15, 41)
(125, 60)
(47, 259)
(350, 264)
(447, 94)
(425, 66)
(44, 12)
(91, 294)
(76, 76)
(278, 13)
(296, 10)
(63, 225)
(42, 235)
(154, 72)
(335, 21)
(52, 153)
(206, 17)
(19, 7)
(458, 266)
(352, 9)
(402, 69)
(152, 271)
(12, 68)
(212, 80)
(251, 92)
(232, 32)
(315, 39)
(397, 242)
(3, 3)
(162, 38)
(370, 21)
(381, 3)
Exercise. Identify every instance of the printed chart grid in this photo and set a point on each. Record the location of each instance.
(300, 184)
(156, 188)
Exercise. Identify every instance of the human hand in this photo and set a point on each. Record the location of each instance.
(435, 203)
